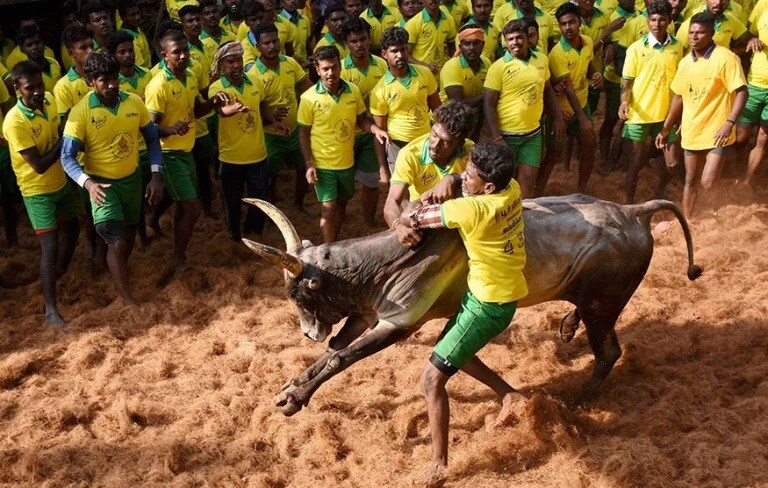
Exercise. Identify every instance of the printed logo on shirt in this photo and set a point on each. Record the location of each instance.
(121, 145)
(99, 122)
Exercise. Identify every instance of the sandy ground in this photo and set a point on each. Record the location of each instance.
(179, 390)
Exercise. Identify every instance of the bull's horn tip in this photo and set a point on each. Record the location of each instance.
(253, 201)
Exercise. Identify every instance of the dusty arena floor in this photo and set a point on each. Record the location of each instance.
(179, 390)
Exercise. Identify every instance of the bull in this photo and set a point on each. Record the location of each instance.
(589, 252)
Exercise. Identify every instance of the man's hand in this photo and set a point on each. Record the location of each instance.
(609, 52)
(154, 193)
(233, 107)
(381, 135)
(311, 175)
(661, 138)
(722, 135)
(434, 68)
(597, 81)
(615, 25)
(282, 128)
(755, 45)
(280, 113)
(624, 110)
(559, 127)
(442, 191)
(96, 191)
(220, 99)
(180, 128)
(407, 236)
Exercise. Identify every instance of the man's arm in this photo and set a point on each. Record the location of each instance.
(41, 163)
(626, 97)
(490, 102)
(178, 129)
(151, 136)
(675, 111)
(69, 149)
(724, 133)
(306, 151)
(457, 93)
(578, 110)
(433, 100)
(553, 108)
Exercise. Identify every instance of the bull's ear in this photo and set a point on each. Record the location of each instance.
(312, 283)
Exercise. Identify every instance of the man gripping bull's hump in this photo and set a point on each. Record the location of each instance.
(489, 218)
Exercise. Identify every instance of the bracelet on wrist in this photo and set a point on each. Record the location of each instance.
(308, 164)
(498, 138)
(395, 223)
(731, 121)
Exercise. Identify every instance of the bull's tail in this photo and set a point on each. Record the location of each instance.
(644, 212)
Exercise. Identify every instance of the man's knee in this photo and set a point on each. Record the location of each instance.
(432, 379)
(111, 231)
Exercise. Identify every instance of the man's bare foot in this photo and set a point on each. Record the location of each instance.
(664, 226)
(512, 406)
(434, 476)
(53, 319)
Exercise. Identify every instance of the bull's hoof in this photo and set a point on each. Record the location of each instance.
(569, 325)
(288, 404)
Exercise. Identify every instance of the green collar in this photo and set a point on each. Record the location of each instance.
(707, 53)
(349, 63)
(567, 46)
(521, 14)
(509, 57)
(94, 102)
(133, 33)
(139, 73)
(330, 39)
(596, 12)
(170, 76)
(263, 67)
(427, 159)
(369, 13)
(465, 64)
(72, 74)
(293, 18)
(205, 35)
(31, 114)
(226, 83)
(473, 21)
(320, 88)
(389, 77)
(426, 17)
(625, 13)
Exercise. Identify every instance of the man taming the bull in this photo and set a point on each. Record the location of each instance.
(490, 221)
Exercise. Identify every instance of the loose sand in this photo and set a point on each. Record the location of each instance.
(179, 390)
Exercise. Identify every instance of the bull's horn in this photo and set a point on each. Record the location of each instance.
(292, 240)
(291, 264)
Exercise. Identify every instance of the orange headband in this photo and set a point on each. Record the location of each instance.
(474, 34)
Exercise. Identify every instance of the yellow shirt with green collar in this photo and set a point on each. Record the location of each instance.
(622, 37)
(594, 29)
(51, 75)
(140, 47)
(651, 66)
(427, 38)
(110, 135)
(332, 121)
(758, 9)
(492, 229)
(520, 85)
(174, 101)
(301, 31)
(203, 80)
(458, 72)
(173, 7)
(607, 6)
(285, 34)
(69, 90)
(24, 129)
(389, 18)
(227, 24)
(241, 136)
(365, 80)
(280, 88)
(414, 166)
(458, 11)
(136, 84)
(706, 85)
(328, 40)
(547, 26)
(404, 102)
(727, 29)
(758, 70)
(565, 61)
(211, 44)
(16, 56)
(492, 39)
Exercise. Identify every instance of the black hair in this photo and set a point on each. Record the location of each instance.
(660, 7)
(170, 31)
(333, 8)
(92, 7)
(101, 64)
(25, 70)
(75, 33)
(394, 36)
(189, 10)
(456, 117)
(567, 8)
(356, 25)
(208, 3)
(327, 52)
(25, 33)
(115, 39)
(517, 25)
(704, 18)
(124, 5)
(531, 22)
(264, 28)
(494, 163)
(251, 8)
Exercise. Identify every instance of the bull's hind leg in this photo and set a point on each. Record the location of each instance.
(605, 346)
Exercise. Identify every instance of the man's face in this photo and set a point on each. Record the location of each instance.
(442, 145)
(269, 10)
(232, 68)
(358, 44)
(396, 56)
(232, 6)
(699, 37)
(716, 7)
(354, 7)
(125, 55)
(482, 10)
(33, 48)
(100, 23)
(678, 6)
(31, 90)
(253, 21)
(131, 17)
(628, 5)
(517, 44)
(471, 183)
(471, 49)
(269, 45)
(211, 16)
(409, 8)
(569, 26)
(533, 36)
(334, 22)
(176, 55)
(80, 51)
(290, 5)
(657, 25)
(329, 71)
(526, 4)
(586, 5)
(106, 87)
(193, 25)
(432, 5)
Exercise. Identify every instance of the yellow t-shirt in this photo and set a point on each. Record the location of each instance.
(285, 34)
(547, 25)
(4, 97)
(137, 84)
(301, 32)
(607, 6)
(110, 135)
(280, 88)
(203, 80)
(25, 129)
(140, 47)
(427, 38)
(241, 137)
(707, 85)
(328, 40)
(458, 11)
(227, 24)
(593, 30)
(566, 61)
(404, 102)
(173, 7)
(621, 37)
(652, 69)
(174, 100)
(492, 39)
(212, 44)
(332, 121)
(758, 71)
(69, 90)
(414, 166)
(760, 7)
(4, 74)
(520, 85)
(199, 55)
(727, 29)
(51, 75)
(491, 227)
(457, 72)
(389, 18)
(16, 56)
(366, 80)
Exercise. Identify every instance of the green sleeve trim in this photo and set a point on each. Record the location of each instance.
(303, 125)
(442, 216)
(154, 112)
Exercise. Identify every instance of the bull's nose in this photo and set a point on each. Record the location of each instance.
(306, 334)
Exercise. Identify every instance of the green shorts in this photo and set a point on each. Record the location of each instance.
(641, 132)
(366, 164)
(335, 184)
(612, 98)
(179, 175)
(756, 109)
(283, 151)
(526, 148)
(470, 330)
(46, 210)
(122, 202)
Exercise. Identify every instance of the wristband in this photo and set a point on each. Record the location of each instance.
(731, 121)
(395, 223)
(308, 164)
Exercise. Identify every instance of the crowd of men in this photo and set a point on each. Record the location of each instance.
(119, 128)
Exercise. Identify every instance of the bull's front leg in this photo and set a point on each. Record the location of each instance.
(294, 398)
